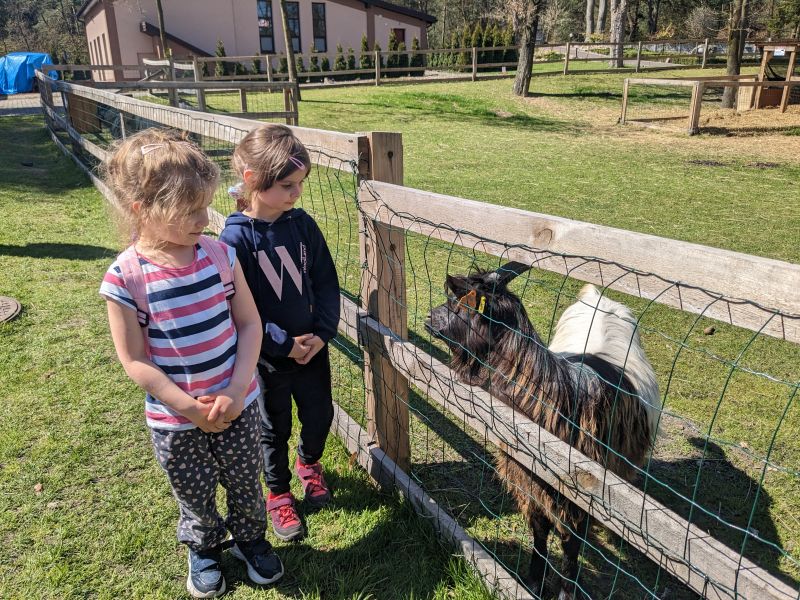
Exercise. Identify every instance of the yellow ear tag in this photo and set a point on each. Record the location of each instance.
(482, 305)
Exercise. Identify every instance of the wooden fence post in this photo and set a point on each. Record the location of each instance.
(638, 56)
(625, 85)
(377, 67)
(566, 59)
(243, 100)
(172, 93)
(198, 76)
(705, 53)
(789, 73)
(474, 63)
(694, 108)
(383, 292)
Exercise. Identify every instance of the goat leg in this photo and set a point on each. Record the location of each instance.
(541, 526)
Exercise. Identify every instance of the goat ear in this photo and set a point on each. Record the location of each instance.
(456, 283)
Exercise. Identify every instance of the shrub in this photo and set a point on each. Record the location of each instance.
(402, 59)
(256, 66)
(339, 63)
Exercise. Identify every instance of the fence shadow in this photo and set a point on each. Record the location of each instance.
(725, 490)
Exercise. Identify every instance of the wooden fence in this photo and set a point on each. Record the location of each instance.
(745, 84)
(669, 272)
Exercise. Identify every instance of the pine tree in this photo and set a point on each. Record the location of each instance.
(466, 39)
(377, 48)
(339, 64)
(325, 65)
(220, 67)
(416, 58)
(402, 59)
(508, 40)
(393, 60)
(256, 66)
(351, 60)
(497, 40)
(365, 60)
(452, 58)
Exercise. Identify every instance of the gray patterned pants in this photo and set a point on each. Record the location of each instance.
(195, 462)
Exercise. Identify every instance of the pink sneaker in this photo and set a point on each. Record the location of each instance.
(286, 522)
(317, 493)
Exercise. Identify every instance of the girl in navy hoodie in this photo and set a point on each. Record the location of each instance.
(293, 279)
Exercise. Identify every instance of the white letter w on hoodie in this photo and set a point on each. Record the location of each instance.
(276, 280)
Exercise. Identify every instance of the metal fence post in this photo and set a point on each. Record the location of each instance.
(566, 58)
(638, 56)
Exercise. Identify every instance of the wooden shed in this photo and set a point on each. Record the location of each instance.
(779, 62)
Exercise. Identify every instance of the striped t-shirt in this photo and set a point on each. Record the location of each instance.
(192, 335)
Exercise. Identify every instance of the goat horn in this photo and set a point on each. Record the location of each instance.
(505, 273)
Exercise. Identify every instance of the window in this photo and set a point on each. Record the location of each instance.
(318, 19)
(293, 16)
(266, 32)
(400, 35)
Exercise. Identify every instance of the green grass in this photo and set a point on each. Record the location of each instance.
(559, 152)
(102, 524)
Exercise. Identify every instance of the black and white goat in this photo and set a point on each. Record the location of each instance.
(592, 387)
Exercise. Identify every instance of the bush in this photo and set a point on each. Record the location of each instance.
(402, 59)
(339, 63)
(325, 64)
(256, 66)
(351, 61)
(393, 60)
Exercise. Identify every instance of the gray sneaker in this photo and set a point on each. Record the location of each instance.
(205, 578)
(263, 565)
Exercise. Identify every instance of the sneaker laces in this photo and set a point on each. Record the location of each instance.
(287, 515)
(315, 483)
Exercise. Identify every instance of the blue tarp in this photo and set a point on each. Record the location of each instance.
(18, 71)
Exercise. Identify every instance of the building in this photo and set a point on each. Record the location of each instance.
(125, 31)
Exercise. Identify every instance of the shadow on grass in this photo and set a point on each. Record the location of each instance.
(368, 567)
(67, 251)
(30, 159)
(727, 493)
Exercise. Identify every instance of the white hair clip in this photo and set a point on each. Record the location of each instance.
(147, 148)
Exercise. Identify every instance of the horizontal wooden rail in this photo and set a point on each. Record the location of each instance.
(716, 571)
(190, 85)
(712, 280)
(348, 148)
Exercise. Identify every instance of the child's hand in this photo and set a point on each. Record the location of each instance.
(300, 348)
(315, 344)
(199, 416)
(226, 408)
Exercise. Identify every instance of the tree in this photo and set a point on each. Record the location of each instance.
(702, 22)
(737, 33)
(365, 59)
(289, 47)
(162, 31)
(417, 59)
(617, 33)
(589, 29)
(600, 26)
(525, 20)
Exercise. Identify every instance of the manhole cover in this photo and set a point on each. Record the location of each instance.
(9, 308)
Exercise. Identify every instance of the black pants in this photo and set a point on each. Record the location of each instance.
(310, 386)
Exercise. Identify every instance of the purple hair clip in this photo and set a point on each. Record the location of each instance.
(297, 162)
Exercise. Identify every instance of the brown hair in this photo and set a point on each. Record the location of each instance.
(273, 153)
(162, 170)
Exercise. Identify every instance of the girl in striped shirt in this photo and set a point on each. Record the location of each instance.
(187, 331)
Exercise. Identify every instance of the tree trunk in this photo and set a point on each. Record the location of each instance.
(617, 35)
(160, 11)
(633, 21)
(589, 19)
(291, 65)
(600, 27)
(527, 45)
(737, 32)
(653, 7)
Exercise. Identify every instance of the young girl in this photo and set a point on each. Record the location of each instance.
(293, 279)
(187, 331)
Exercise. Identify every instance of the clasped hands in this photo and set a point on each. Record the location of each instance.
(305, 348)
(215, 412)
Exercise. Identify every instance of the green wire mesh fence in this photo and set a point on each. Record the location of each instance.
(711, 511)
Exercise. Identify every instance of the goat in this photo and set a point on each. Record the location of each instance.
(592, 387)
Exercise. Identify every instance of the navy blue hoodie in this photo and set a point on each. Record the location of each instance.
(292, 276)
